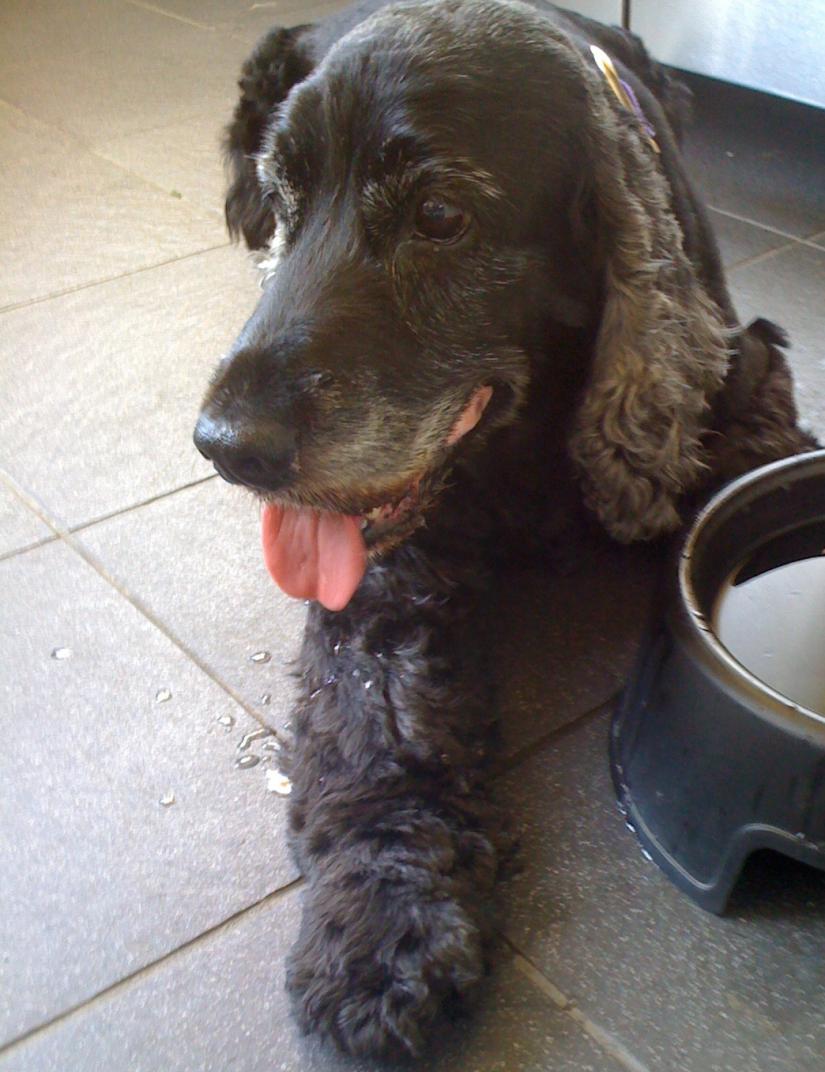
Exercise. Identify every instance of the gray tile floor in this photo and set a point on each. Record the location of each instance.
(147, 898)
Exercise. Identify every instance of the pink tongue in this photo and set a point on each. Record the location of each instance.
(312, 554)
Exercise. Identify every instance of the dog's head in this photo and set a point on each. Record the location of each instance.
(451, 181)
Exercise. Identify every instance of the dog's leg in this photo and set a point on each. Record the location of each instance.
(390, 816)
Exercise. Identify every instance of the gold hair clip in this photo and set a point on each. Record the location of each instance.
(623, 92)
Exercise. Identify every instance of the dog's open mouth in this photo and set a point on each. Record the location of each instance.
(320, 555)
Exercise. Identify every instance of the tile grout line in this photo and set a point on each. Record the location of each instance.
(154, 127)
(94, 150)
(110, 279)
(145, 969)
(214, 213)
(753, 223)
(84, 525)
(603, 1038)
(559, 733)
(60, 529)
(29, 547)
(144, 6)
(292, 9)
(812, 241)
(36, 507)
(768, 254)
(67, 538)
(97, 151)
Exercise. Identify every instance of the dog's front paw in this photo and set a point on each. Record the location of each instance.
(374, 965)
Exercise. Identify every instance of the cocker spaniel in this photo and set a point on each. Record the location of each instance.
(492, 308)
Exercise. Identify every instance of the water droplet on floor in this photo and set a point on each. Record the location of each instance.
(336, 648)
(163, 695)
(167, 799)
(260, 657)
(367, 684)
(227, 721)
(278, 783)
(271, 746)
(265, 699)
(253, 735)
(247, 761)
(62, 653)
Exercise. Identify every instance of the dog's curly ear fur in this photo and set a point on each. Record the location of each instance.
(278, 63)
(662, 345)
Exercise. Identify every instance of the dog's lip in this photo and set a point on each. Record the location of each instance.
(385, 519)
(401, 507)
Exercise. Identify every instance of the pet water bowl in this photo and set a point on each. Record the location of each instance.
(718, 742)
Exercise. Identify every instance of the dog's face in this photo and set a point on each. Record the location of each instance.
(415, 261)
(449, 183)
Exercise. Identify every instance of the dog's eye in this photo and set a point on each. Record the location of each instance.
(440, 221)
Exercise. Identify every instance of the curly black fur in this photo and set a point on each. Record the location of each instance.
(587, 292)
(273, 68)
(391, 816)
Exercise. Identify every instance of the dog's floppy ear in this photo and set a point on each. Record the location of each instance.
(279, 62)
(661, 349)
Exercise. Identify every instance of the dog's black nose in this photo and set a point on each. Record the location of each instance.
(260, 453)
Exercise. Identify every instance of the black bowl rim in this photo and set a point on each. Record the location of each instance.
(763, 700)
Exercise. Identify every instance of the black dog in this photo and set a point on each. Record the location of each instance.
(492, 307)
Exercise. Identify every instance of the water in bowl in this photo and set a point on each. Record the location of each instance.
(770, 615)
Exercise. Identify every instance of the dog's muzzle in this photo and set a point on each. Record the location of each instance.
(313, 553)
